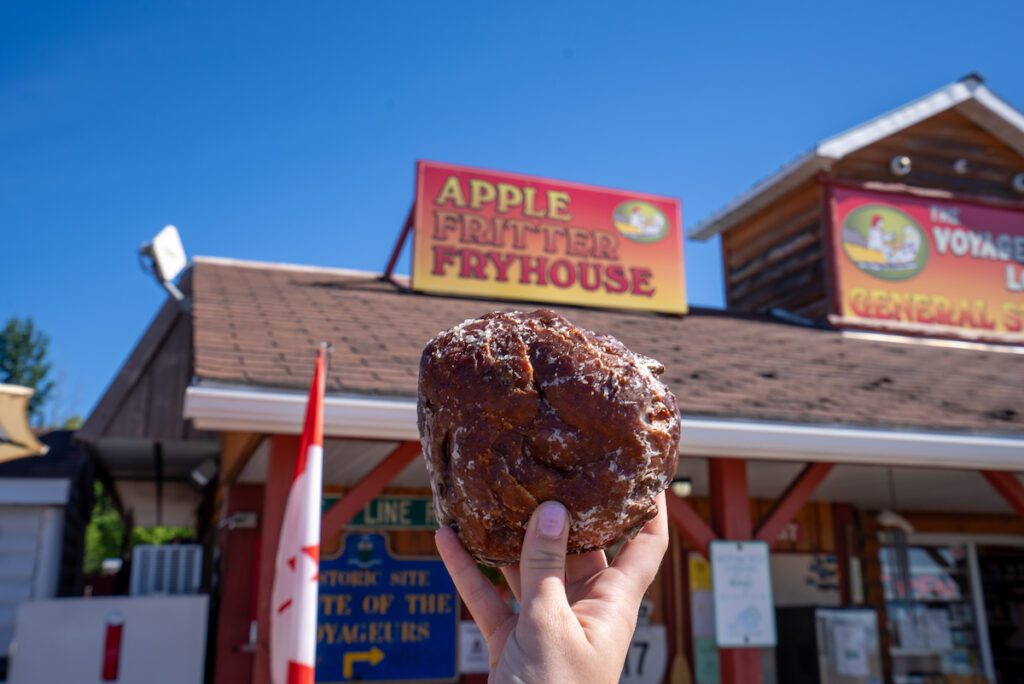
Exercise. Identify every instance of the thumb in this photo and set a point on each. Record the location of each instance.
(542, 564)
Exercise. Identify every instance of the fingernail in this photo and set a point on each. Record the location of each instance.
(551, 521)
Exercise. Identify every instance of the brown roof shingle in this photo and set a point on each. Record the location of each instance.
(259, 324)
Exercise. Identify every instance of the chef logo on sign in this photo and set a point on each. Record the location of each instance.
(884, 242)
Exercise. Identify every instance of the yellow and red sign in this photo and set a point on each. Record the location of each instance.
(913, 263)
(502, 235)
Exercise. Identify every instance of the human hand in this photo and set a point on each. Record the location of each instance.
(577, 614)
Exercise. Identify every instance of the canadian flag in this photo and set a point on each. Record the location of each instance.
(296, 571)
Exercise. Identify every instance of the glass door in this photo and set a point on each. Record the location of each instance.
(932, 627)
(1002, 581)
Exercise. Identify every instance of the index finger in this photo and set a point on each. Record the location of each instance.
(640, 557)
(483, 601)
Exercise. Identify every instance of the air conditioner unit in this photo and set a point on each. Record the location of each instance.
(169, 570)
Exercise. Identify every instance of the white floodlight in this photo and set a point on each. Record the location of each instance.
(167, 259)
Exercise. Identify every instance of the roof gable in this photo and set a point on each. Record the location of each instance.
(968, 96)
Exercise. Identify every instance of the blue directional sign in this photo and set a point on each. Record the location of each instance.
(384, 618)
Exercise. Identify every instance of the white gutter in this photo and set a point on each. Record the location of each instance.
(281, 412)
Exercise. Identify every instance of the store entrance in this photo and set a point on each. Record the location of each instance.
(954, 607)
(1002, 583)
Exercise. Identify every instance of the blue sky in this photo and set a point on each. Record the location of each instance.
(288, 131)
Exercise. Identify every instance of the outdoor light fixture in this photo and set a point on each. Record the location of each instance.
(164, 257)
(1018, 183)
(900, 165)
(203, 473)
(890, 518)
(681, 487)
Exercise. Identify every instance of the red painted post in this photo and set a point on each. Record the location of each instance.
(397, 251)
(237, 587)
(355, 499)
(792, 500)
(1008, 486)
(730, 513)
(689, 525)
(284, 449)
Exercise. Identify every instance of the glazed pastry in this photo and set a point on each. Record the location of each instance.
(520, 408)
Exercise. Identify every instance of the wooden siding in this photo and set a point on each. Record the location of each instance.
(778, 258)
(146, 398)
(934, 146)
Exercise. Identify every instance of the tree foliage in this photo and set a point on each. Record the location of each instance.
(23, 361)
(104, 537)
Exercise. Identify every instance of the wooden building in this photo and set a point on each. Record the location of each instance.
(795, 433)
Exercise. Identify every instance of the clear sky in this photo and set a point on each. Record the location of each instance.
(288, 131)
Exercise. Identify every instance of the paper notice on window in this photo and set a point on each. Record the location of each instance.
(938, 630)
(851, 650)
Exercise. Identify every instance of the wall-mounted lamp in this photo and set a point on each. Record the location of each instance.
(681, 487)
(900, 165)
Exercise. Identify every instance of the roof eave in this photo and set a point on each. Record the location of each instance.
(968, 96)
(764, 193)
(394, 419)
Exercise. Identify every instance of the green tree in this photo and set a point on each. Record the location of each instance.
(104, 534)
(104, 537)
(23, 361)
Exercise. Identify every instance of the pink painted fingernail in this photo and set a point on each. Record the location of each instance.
(552, 519)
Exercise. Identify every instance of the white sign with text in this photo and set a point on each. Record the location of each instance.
(742, 590)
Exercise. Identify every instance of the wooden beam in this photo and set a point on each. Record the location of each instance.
(284, 450)
(697, 533)
(397, 251)
(343, 510)
(792, 500)
(1008, 486)
(730, 512)
(236, 448)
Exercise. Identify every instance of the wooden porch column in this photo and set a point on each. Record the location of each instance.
(730, 513)
(284, 450)
(239, 546)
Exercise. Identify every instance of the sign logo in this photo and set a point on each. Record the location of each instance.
(921, 264)
(640, 221)
(499, 235)
(884, 242)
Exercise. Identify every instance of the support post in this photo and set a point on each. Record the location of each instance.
(234, 660)
(792, 500)
(397, 251)
(1008, 486)
(695, 531)
(730, 513)
(284, 450)
(343, 510)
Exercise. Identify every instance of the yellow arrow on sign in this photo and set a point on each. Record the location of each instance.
(373, 656)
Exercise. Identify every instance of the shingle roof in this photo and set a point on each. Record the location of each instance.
(259, 325)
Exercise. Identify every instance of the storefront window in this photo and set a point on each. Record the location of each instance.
(1002, 581)
(933, 630)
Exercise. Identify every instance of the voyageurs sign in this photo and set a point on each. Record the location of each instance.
(915, 263)
(501, 235)
(385, 618)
